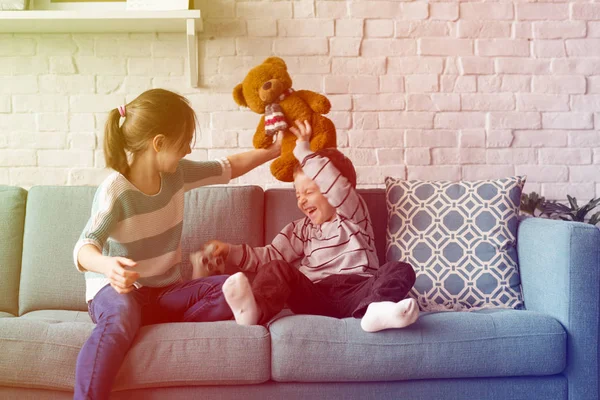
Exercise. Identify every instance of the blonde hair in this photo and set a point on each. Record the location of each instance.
(154, 112)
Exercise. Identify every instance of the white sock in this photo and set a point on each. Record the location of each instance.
(238, 294)
(387, 314)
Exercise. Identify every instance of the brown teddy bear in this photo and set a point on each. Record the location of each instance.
(267, 89)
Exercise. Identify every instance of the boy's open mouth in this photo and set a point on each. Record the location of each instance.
(310, 210)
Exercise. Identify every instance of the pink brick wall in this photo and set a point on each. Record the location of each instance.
(428, 90)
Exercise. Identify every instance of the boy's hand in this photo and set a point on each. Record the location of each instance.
(121, 279)
(302, 132)
(220, 249)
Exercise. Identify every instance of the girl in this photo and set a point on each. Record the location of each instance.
(130, 248)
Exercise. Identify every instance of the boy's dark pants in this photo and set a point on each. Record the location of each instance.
(340, 296)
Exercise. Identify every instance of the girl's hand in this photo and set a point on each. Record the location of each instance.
(275, 148)
(302, 132)
(121, 279)
(220, 249)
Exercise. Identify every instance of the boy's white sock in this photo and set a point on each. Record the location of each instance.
(387, 314)
(238, 294)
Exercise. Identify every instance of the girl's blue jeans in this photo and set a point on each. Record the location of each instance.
(118, 318)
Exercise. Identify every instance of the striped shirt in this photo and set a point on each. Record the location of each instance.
(147, 229)
(344, 245)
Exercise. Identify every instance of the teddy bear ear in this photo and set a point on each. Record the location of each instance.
(275, 60)
(238, 95)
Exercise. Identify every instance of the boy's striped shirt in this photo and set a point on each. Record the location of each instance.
(147, 229)
(344, 245)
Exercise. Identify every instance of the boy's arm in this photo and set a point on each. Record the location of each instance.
(288, 246)
(334, 186)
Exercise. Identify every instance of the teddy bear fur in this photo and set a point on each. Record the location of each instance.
(262, 86)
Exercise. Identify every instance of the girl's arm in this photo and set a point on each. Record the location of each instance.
(242, 163)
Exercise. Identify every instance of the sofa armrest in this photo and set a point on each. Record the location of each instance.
(559, 263)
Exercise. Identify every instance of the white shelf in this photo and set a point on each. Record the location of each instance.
(104, 21)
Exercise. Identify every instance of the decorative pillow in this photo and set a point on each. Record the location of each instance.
(460, 237)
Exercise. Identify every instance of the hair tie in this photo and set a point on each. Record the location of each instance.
(122, 110)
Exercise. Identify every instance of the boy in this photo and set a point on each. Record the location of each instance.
(325, 263)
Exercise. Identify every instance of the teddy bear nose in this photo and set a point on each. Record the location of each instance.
(267, 86)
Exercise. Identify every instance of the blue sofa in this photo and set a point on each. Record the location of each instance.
(548, 351)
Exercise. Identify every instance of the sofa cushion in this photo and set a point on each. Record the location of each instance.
(5, 315)
(12, 217)
(485, 343)
(460, 237)
(281, 209)
(59, 315)
(39, 353)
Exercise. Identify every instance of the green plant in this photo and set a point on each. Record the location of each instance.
(532, 202)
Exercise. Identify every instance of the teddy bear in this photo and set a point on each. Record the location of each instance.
(267, 89)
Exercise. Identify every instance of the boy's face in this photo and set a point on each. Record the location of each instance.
(311, 201)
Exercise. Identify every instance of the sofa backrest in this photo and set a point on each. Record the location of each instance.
(12, 217)
(55, 217)
(281, 209)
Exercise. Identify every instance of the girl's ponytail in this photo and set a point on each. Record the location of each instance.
(115, 144)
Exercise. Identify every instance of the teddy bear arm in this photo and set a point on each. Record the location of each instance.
(317, 102)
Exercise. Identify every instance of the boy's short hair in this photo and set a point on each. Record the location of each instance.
(339, 160)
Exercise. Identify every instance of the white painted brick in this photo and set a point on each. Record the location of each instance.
(458, 84)
(24, 65)
(422, 83)
(558, 191)
(448, 47)
(391, 84)
(99, 161)
(40, 103)
(89, 65)
(443, 11)
(313, 82)
(418, 156)
(516, 120)
(43, 140)
(251, 10)
(87, 176)
(388, 47)
(304, 9)
(431, 138)
(585, 11)
(65, 158)
(224, 139)
(476, 65)
(237, 65)
(414, 11)
(559, 29)
(332, 9)
(254, 46)
(67, 84)
(217, 27)
(511, 156)
(551, 156)
(341, 120)
(349, 27)
(489, 83)
(596, 156)
(451, 66)
(82, 141)
(17, 123)
(415, 65)
(161, 49)
(342, 138)
(95, 103)
(17, 158)
(472, 138)
(17, 46)
(541, 11)
(499, 138)
(361, 157)
(459, 120)
(486, 172)
(358, 66)
(419, 29)
(336, 84)
(583, 47)
(127, 48)
(378, 102)
(309, 65)
(261, 27)
(3, 140)
(559, 84)
(542, 102)
(433, 102)
(549, 48)
(540, 138)
(340, 102)
(62, 65)
(56, 45)
(434, 173)
(575, 66)
(52, 122)
(446, 156)
(380, 138)
(516, 83)
(379, 28)
(417, 120)
(391, 156)
(572, 120)
(585, 103)
(502, 47)
(374, 176)
(133, 86)
(212, 102)
(5, 104)
(154, 67)
(593, 29)
(234, 120)
(486, 11)
(483, 29)
(584, 174)
(81, 122)
(27, 177)
(18, 84)
(219, 47)
(365, 120)
(375, 9)
(300, 46)
(584, 138)
(522, 30)
(344, 46)
(522, 66)
(488, 102)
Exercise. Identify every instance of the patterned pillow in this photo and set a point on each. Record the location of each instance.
(460, 237)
